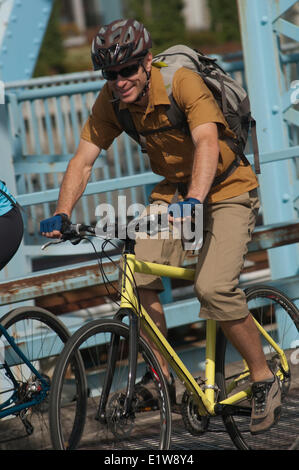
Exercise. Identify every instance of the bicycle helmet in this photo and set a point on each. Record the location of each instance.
(119, 42)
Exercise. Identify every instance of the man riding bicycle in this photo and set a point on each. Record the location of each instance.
(189, 164)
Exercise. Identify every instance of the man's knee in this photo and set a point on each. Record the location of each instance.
(221, 302)
(207, 293)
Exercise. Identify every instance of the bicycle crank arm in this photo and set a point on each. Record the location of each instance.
(232, 410)
(28, 426)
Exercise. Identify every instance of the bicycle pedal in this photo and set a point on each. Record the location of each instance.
(146, 408)
(176, 408)
(27, 425)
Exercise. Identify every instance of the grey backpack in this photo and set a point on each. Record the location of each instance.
(230, 96)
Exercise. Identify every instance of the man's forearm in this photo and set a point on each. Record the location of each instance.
(72, 187)
(204, 169)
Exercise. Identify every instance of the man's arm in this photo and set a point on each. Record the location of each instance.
(74, 181)
(206, 155)
(76, 176)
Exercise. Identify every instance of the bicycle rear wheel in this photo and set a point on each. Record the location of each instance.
(280, 317)
(41, 336)
(144, 428)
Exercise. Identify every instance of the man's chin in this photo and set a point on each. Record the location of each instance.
(127, 100)
(129, 97)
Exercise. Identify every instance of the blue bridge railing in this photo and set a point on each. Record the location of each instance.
(46, 116)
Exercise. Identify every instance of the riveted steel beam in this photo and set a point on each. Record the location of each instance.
(261, 23)
(22, 27)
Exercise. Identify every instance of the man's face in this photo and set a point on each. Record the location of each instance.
(128, 86)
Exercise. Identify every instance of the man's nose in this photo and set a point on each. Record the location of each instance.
(120, 80)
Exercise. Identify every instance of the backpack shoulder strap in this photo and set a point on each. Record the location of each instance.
(176, 116)
(126, 121)
(255, 146)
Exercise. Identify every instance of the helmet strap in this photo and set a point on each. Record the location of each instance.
(146, 86)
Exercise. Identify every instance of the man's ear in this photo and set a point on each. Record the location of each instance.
(148, 61)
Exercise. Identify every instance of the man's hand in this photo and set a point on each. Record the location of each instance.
(54, 226)
(188, 216)
(182, 209)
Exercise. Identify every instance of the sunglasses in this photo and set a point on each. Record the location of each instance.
(125, 72)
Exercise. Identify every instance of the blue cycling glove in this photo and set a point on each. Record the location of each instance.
(58, 222)
(183, 208)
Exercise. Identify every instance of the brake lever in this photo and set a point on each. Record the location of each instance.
(52, 243)
(74, 241)
(151, 224)
(155, 224)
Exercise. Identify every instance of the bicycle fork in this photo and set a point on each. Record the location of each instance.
(111, 362)
(126, 310)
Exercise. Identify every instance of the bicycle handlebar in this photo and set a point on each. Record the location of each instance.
(78, 229)
(76, 232)
(151, 224)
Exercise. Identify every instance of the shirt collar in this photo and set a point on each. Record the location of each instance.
(157, 93)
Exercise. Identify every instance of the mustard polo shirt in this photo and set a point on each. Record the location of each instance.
(171, 152)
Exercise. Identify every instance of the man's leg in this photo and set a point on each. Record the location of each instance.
(151, 302)
(242, 333)
(228, 230)
(163, 251)
(266, 393)
(245, 337)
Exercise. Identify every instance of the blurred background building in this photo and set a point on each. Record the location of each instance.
(209, 24)
(87, 14)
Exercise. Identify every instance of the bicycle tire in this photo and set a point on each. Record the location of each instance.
(146, 429)
(267, 305)
(41, 336)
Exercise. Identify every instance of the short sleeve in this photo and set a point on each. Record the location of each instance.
(102, 127)
(195, 99)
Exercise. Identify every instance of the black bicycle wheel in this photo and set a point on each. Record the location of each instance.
(280, 317)
(144, 428)
(41, 336)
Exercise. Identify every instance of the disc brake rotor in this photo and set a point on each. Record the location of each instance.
(121, 426)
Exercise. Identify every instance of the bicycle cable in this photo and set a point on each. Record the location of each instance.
(107, 281)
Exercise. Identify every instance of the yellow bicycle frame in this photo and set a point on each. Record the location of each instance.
(205, 399)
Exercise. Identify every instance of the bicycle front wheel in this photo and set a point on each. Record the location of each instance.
(143, 428)
(24, 392)
(280, 318)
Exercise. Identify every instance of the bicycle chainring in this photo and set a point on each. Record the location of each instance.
(193, 422)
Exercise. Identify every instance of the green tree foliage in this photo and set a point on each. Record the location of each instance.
(224, 19)
(163, 19)
(51, 56)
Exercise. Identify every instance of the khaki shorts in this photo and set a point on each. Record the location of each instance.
(228, 226)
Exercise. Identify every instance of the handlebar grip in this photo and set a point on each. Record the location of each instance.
(76, 230)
